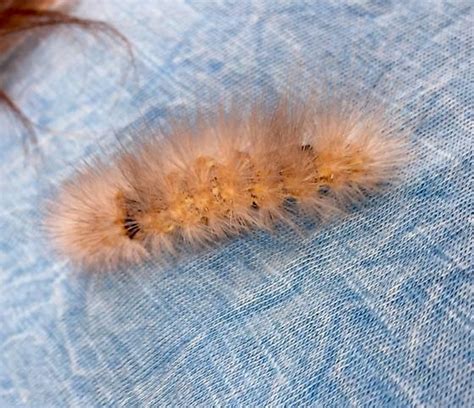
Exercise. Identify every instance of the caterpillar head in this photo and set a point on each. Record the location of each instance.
(88, 220)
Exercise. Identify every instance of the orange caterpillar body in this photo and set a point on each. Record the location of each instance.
(217, 178)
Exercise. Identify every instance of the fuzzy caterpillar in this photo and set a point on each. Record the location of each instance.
(216, 178)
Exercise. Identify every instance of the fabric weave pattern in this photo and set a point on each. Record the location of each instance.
(371, 310)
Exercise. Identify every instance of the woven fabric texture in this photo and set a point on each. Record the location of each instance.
(374, 309)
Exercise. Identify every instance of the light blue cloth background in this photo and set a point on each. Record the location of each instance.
(372, 310)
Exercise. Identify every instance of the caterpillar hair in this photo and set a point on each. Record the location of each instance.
(221, 176)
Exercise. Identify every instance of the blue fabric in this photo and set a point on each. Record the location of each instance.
(372, 310)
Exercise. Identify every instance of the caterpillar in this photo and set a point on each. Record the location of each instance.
(222, 175)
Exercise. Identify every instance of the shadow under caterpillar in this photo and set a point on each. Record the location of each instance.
(219, 177)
